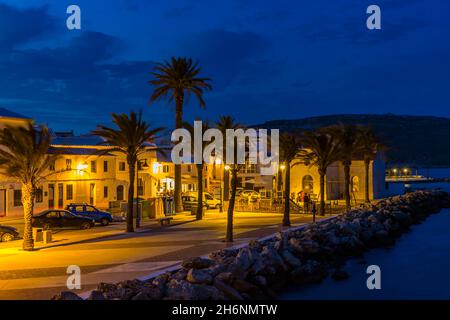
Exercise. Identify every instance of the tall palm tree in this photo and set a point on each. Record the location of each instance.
(289, 148)
(174, 80)
(25, 157)
(190, 128)
(348, 141)
(130, 137)
(224, 123)
(321, 150)
(369, 145)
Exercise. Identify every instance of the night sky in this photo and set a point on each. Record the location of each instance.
(268, 59)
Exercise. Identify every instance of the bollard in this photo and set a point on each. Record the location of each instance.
(48, 237)
(37, 234)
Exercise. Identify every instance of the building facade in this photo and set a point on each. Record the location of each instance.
(88, 172)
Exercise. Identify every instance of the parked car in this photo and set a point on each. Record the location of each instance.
(251, 195)
(189, 201)
(88, 211)
(8, 233)
(208, 198)
(53, 219)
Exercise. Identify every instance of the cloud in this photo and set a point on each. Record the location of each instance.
(67, 83)
(223, 54)
(19, 26)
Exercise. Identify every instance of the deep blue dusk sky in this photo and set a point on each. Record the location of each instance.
(268, 59)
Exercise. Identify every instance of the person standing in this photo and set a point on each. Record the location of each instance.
(306, 201)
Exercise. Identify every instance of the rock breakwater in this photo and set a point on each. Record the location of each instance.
(300, 256)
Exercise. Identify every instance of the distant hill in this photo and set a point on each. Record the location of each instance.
(412, 140)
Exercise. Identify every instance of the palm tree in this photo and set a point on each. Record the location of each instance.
(321, 150)
(25, 157)
(175, 80)
(131, 138)
(190, 128)
(289, 148)
(348, 141)
(224, 123)
(369, 145)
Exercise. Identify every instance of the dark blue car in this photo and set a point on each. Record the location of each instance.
(86, 210)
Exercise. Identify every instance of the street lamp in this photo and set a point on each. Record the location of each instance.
(141, 164)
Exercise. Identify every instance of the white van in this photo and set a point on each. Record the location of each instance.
(208, 198)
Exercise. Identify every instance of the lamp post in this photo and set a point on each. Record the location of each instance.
(143, 165)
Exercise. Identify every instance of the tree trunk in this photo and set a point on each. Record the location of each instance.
(366, 172)
(322, 193)
(132, 173)
(231, 205)
(200, 192)
(279, 180)
(28, 205)
(226, 185)
(179, 99)
(347, 185)
(287, 193)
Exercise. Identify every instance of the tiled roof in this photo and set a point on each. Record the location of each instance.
(5, 113)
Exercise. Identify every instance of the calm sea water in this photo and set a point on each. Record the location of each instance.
(417, 267)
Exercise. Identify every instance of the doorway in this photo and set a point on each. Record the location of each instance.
(92, 194)
(60, 195)
(51, 196)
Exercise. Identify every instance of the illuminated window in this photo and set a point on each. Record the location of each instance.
(69, 192)
(94, 166)
(68, 164)
(39, 195)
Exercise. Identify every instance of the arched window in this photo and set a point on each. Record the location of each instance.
(308, 184)
(120, 193)
(355, 184)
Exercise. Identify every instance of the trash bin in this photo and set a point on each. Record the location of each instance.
(169, 207)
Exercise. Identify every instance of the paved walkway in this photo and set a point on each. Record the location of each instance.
(112, 255)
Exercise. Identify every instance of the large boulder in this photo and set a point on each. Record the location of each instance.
(197, 263)
(199, 276)
(184, 290)
(227, 290)
(310, 272)
(148, 292)
(290, 259)
(67, 295)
